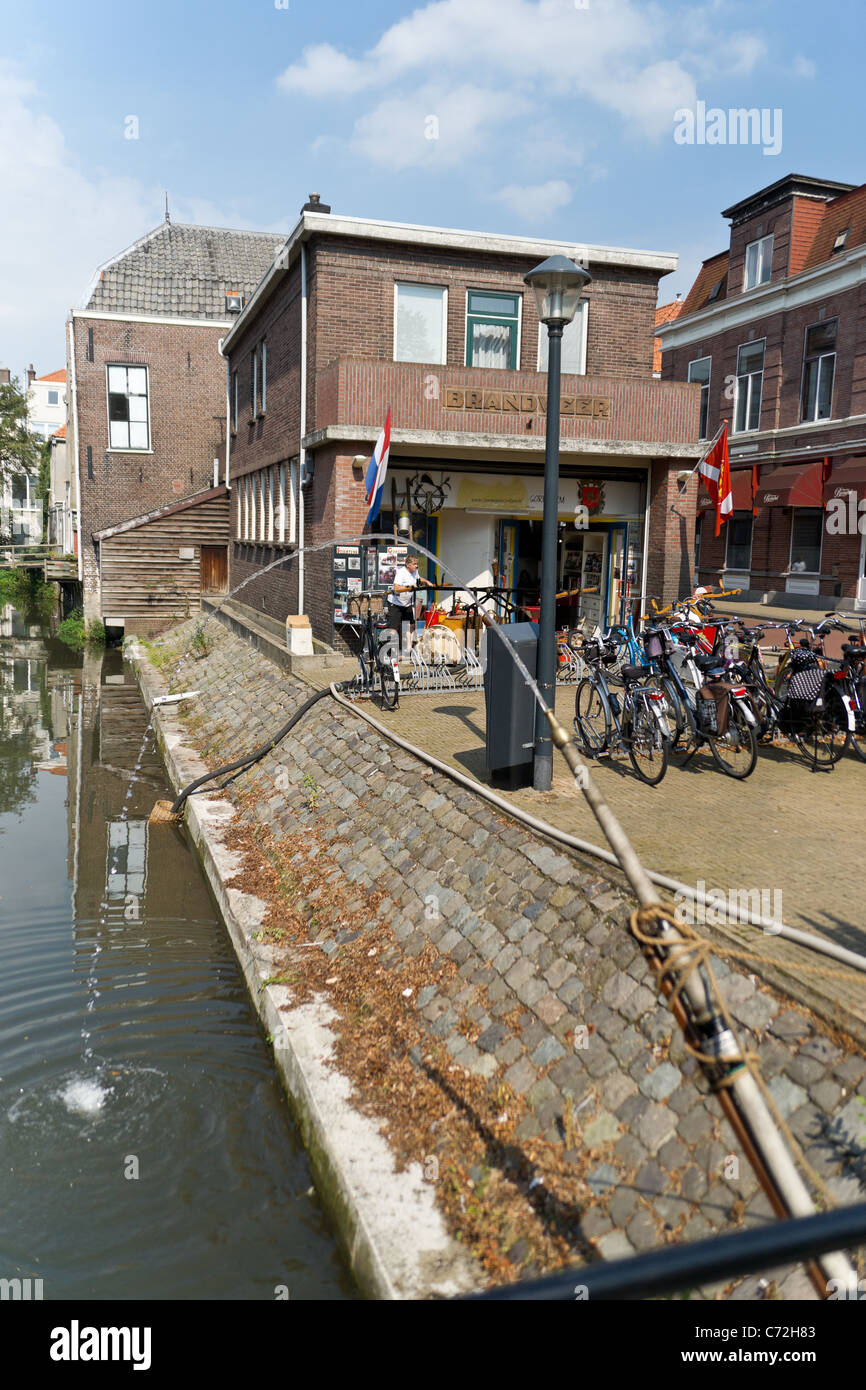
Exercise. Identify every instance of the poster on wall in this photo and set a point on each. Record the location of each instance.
(390, 556)
(347, 558)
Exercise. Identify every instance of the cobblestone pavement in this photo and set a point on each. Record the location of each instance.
(783, 830)
(560, 1002)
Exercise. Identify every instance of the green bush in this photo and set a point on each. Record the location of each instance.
(71, 630)
(96, 633)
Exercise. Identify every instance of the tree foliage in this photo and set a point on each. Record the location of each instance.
(20, 451)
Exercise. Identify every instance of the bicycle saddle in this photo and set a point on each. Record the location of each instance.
(704, 661)
(852, 651)
(635, 673)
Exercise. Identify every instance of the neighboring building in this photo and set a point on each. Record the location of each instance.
(46, 402)
(62, 514)
(774, 331)
(665, 313)
(356, 316)
(147, 420)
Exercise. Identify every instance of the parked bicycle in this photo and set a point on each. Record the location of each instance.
(705, 709)
(807, 715)
(377, 652)
(633, 720)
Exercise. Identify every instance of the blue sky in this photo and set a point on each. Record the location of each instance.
(553, 118)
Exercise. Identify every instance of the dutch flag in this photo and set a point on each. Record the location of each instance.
(376, 470)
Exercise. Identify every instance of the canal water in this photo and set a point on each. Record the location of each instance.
(146, 1149)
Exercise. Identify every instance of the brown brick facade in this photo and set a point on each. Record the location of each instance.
(186, 399)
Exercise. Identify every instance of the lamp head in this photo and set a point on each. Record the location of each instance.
(557, 285)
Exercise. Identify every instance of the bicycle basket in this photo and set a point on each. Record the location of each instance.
(658, 642)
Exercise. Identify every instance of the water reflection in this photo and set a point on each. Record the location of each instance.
(146, 1150)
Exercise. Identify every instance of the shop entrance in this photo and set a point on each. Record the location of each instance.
(590, 571)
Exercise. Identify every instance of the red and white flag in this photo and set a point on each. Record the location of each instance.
(715, 469)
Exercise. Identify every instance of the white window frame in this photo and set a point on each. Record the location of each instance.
(125, 366)
(583, 310)
(747, 429)
(234, 401)
(704, 387)
(254, 381)
(239, 498)
(264, 373)
(821, 358)
(423, 285)
(763, 258)
(269, 484)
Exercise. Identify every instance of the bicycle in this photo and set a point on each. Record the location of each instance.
(813, 727)
(685, 678)
(377, 657)
(637, 724)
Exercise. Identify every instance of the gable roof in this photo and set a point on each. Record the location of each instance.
(59, 434)
(713, 272)
(846, 211)
(183, 271)
(54, 376)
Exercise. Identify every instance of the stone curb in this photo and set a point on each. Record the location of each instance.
(394, 1237)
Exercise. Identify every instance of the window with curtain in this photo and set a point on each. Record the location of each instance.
(420, 314)
(819, 368)
(492, 322)
(750, 378)
(573, 343)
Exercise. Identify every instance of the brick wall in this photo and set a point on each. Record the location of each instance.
(186, 380)
(671, 532)
(783, 361)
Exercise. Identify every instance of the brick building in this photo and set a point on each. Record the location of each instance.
(774, 330)
(357, 316)
(147, 418)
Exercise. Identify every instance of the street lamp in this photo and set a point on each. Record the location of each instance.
(557, 285)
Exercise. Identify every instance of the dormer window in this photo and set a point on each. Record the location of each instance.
(234, 301)
(839, 243)
(759, 262)
(715, 292)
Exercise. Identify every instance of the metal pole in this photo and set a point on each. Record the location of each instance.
(546, 662)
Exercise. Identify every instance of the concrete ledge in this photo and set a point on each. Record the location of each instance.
(393, 1235)
(269, 637)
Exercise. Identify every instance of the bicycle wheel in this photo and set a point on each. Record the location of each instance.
(591, 717)
(857, 735)
(390, 688)
(825, 735)
(736, 752)
(647, 746)
(681, 719)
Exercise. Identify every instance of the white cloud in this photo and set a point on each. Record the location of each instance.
(535, 203)
(59, 224)
(432, 126)
(639, 61)
(803, 67)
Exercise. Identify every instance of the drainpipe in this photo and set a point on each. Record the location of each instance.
(74, 388)
(228, 415)
(303, 428)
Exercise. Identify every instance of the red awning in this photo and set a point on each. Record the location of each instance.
(846, 477)
(792, 485)
(741, 486)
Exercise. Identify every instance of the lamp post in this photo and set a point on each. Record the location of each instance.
(557, 284)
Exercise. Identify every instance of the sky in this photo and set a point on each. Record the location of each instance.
(549, 118)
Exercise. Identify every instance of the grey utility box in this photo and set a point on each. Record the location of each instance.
(510, 726)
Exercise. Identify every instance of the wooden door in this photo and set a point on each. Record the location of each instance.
(214, 569)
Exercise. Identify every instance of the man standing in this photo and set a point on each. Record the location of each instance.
(402, 600)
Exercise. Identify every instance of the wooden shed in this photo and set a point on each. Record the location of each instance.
(154, 569)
